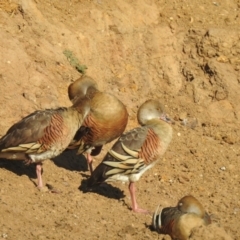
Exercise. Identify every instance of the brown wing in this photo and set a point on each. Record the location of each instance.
(133, 139)
(29, 130)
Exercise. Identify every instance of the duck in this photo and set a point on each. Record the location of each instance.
(179, 221)
(136, 151)
(42, 135)
(106, 120)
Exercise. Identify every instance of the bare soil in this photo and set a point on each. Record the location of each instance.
(185, 53)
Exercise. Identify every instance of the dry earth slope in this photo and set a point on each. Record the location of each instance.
(185, 53)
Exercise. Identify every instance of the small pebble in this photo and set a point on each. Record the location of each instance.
(4, 235)
(183, 115)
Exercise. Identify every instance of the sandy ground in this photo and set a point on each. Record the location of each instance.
(185, 53)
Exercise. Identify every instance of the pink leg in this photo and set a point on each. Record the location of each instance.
(39, 175)
(40, 182)
(90, 160)
(135, 207)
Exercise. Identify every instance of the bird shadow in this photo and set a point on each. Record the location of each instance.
(71, 161)
(103, 189)
(68, 160)
(19, 168)
(150, 227)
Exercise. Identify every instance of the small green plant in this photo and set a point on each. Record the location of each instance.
(74, 61)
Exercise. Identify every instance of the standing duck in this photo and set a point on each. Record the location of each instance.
(106, 120)
(179, 221)
(42, 135)
(137, 150)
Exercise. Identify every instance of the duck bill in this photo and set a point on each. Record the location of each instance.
(167, 119)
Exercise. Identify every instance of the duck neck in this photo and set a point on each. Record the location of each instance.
(161, 128)
(81, 111)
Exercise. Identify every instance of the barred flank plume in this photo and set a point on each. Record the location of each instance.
(99, 128)
(53, 132)
(151, 144)
(94, 129)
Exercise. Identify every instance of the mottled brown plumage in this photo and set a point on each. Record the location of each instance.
(106, 120)
(179, 221)
(42, 135)
(136, 150)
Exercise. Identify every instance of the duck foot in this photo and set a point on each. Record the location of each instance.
(49, 188)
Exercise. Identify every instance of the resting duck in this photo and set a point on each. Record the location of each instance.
(179, 221)
(106, 120)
